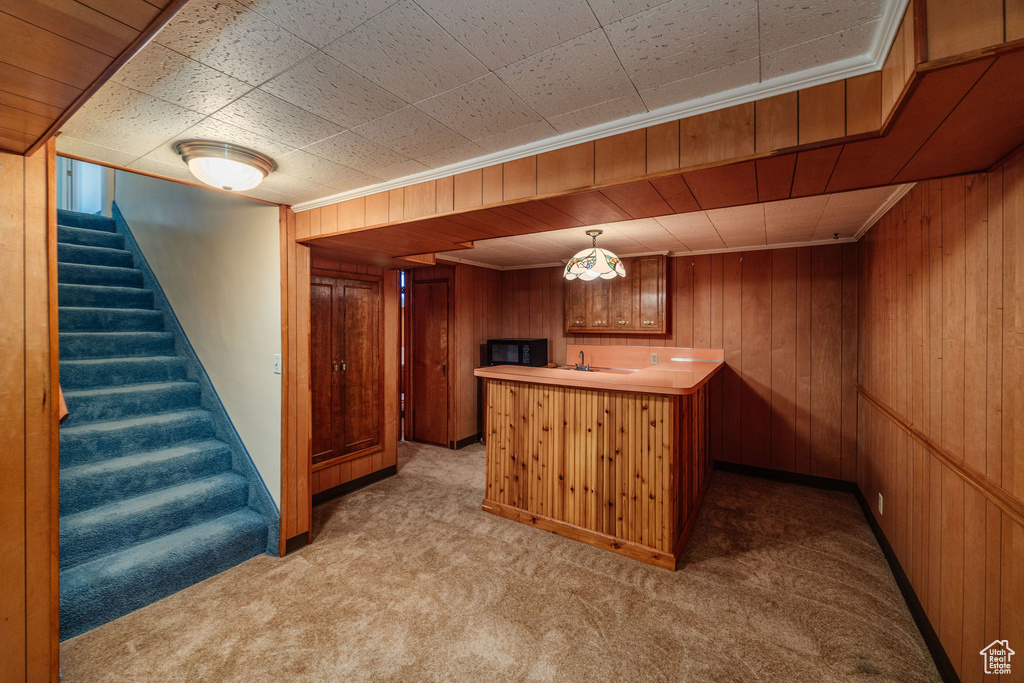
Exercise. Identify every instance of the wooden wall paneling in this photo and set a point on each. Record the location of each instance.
(566, 168)
(329, 218)
(519, 178)
(975, 319)
(620, 157)
(1013, 332)
(783, 358)
(492, 181)
(864, 103)
(776, 122)
(352, 214)
(822, 112)
(702, 308)
(717, 136)
(957, 27)
(421, 199)
(994, 330)
(826, 359)
(378, 208)
(396, 204)
(469, 190)
(1013, 14)
(848, 362)
(732, 336)
(802, 411)
(445, 194)
(894, 73)
(663, 147)
(953, 313)
(755, 396)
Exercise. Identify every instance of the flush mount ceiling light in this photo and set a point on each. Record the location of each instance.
(224, 165)
(594, 262)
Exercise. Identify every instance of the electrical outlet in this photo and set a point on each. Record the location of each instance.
(277, 364)
(880, 504)
(654, 359)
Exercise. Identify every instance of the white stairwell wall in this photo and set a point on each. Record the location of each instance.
(217, 258)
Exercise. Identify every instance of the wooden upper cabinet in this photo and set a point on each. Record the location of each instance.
(635, 304)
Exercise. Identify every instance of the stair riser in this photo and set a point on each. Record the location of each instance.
(89, 238)
(90, 296)
(85, 221)
(94, 445)
(109, 320)
(91, 489)
(102, 345)
(105, 534)
(78, 274)
(121, 405)
(97, 592)
(118, 373)
(94, 256)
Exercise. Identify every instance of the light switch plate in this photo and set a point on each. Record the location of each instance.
(654, 359)
(277, 364)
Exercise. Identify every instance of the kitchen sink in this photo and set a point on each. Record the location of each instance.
(595, 368)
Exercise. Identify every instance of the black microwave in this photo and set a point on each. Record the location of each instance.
(517, 352)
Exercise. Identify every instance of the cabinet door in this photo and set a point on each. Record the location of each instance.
(575, 305)
(598, 304)
(360, 366)
(624, 299)
(651, 270)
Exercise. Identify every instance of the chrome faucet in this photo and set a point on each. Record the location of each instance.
(581, 365)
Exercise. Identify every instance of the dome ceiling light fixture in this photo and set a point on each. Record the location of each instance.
(223, 165)
(594, 262)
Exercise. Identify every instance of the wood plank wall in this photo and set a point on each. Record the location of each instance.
(29, 385)
(298, 481)
(942, 347)
(955, 27)
(787, 319)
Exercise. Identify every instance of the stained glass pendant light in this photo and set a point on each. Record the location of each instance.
(594, 262)
(224, 165)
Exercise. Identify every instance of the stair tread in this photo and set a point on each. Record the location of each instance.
(149, 334)
(142, 459)
(126, 388)
(125, 311)
(196, 490)
(120, 359)
(137, 421)
(88, 247)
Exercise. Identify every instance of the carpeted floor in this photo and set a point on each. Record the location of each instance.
(409, 580)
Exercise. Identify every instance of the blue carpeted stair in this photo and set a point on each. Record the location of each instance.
(149, 503)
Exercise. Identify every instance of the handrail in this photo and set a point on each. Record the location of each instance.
(995, 493)
(63, 414)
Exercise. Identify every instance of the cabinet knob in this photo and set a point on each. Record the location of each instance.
(600, 322)
(623, 322)
(648, 322)
(577, 322)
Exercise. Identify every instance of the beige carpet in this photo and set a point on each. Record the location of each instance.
(409, 580)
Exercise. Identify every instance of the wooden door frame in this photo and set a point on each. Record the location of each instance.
(379, 279)
(449, 281)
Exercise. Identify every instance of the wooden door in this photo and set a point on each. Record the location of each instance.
(345, 380)
(429, 358)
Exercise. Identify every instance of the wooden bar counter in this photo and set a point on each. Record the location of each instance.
(617, 458)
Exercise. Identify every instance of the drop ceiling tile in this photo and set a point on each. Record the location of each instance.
(405, 51)
(694, 230)
(80, 148)
(400, 170)
(329, 89)
(610, 11)
(355, 151)
(791, 220)
(288, 185)
(233, 39)
(782, 25)
(740, 226)
(830, 48)
(410, 132)
(569, 76)
(619, 108)
(274, 118)
(318, 21)
(452, 155)
(482, 107)
(680, 39)
(710, 83)
(169, 76)
(531, 132)
(129, 121)
(261, 192)
(304, 165)
(502, 33)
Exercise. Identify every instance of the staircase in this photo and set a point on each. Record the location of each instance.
(149, 503)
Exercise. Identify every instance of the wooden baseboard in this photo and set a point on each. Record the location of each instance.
(355, 484)
(468, 441)
(924, 625)
(636, 551)
(296, 542)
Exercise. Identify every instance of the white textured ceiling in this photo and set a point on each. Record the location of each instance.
(765, 225)
(345, 94)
